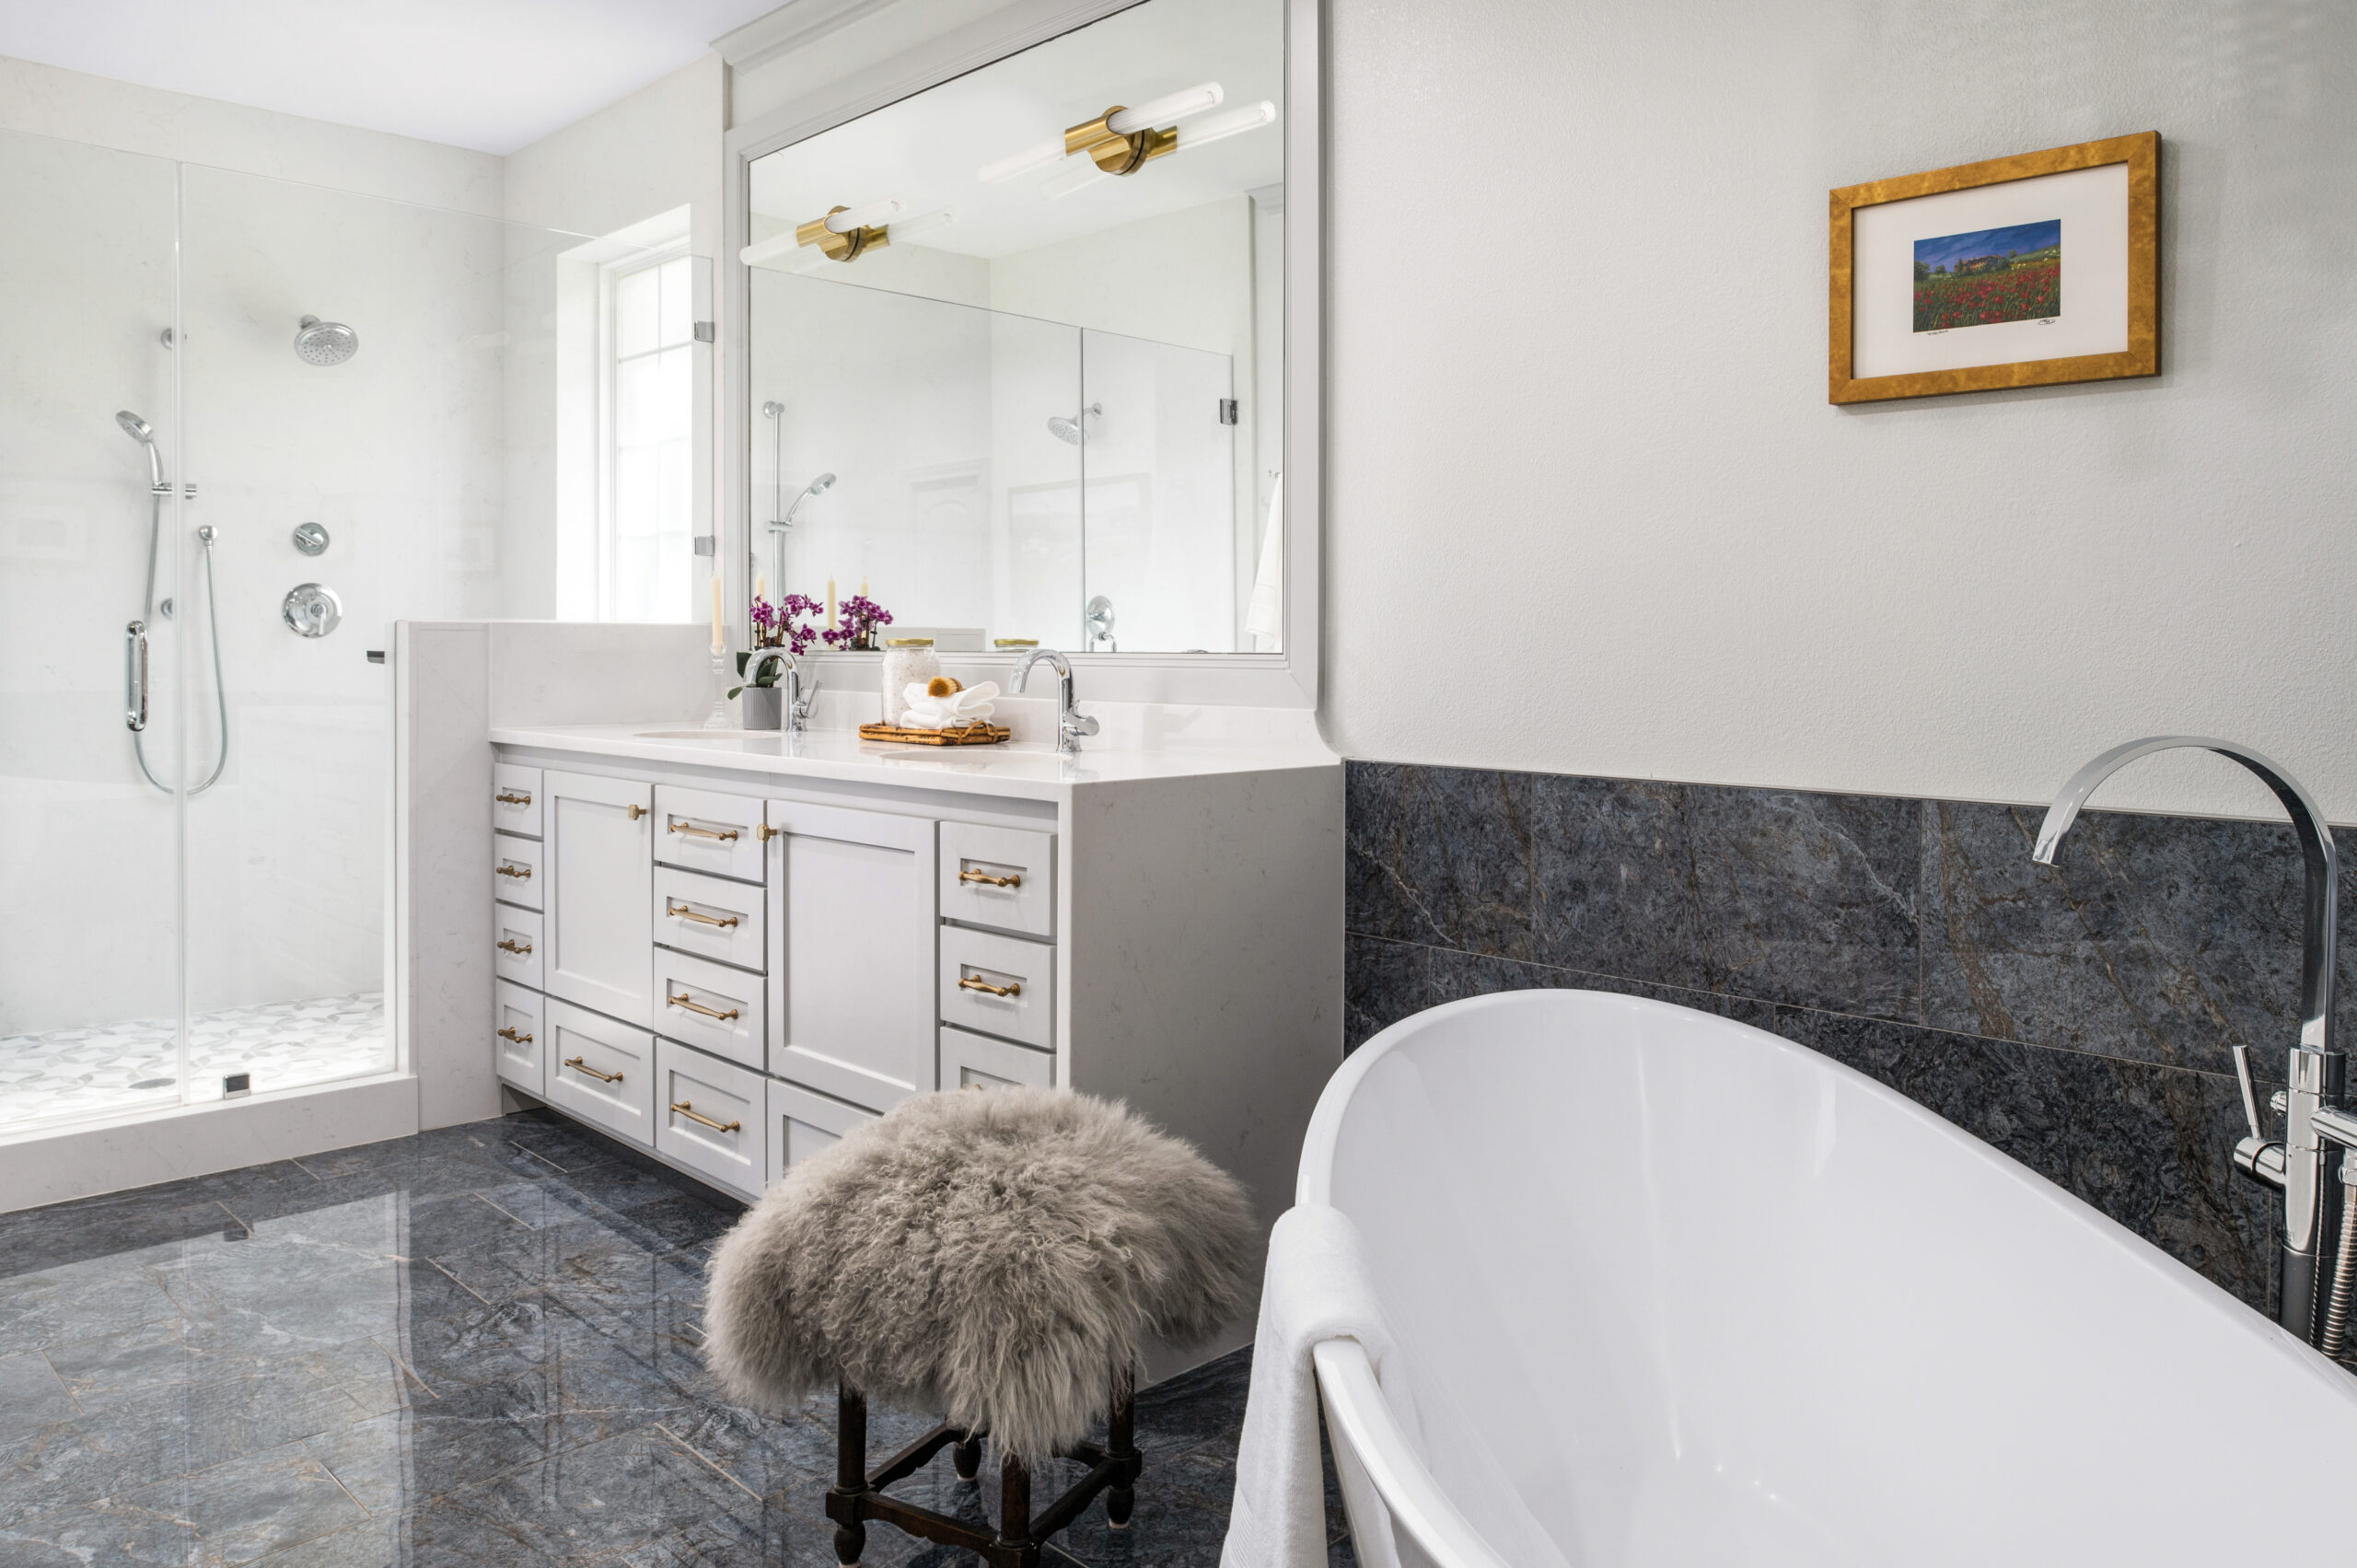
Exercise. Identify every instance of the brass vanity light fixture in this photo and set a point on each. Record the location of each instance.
(803, 250)
(1195, 134)
(1119, 141)
(847, 233)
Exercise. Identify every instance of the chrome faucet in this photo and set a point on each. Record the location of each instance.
(2314, 1301)
(797, 701)
(1071, 725)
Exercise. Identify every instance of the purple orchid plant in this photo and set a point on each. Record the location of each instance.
(860, 616)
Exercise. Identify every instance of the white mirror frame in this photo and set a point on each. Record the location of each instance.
(1286, 679)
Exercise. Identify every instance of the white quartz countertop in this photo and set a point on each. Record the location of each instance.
(1017, 769)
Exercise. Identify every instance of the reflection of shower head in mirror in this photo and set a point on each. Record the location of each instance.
(1074, 432)
(818, 486)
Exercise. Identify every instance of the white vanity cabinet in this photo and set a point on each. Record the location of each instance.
(743, 953)
(851, 951)
(599, 917)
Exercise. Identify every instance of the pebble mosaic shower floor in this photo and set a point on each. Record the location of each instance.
(69, 1074)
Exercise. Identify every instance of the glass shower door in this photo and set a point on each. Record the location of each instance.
(89, 809)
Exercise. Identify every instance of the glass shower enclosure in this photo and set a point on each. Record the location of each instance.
(245, 425)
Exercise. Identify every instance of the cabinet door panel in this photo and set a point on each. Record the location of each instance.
(600, 918)
(852, 937)
(977, 1061)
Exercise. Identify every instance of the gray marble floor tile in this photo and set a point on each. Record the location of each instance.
(36, 1241)
(2166, 939)
(96, 1296)
(1785, 896)
(603, 1500)
(33, 1399)
(399, 1461)
(100, 1537)
(251, 1506)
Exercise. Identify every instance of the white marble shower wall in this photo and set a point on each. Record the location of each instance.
(402, 454)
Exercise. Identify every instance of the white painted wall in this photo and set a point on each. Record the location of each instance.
(1586, 435)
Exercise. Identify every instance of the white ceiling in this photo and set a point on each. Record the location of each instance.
(489, 75)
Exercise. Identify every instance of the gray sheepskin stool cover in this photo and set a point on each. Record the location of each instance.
(996, 1255)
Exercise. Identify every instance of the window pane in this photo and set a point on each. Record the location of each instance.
(679, 303)
(636, 306)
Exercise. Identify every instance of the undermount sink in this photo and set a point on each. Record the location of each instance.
(701, 734)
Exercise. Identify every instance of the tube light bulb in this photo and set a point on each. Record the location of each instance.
(1168, 108)
(1016, 164)
(1078, 178)
(1235, 122)
(867, 216)
(923, 223)
(769, 250)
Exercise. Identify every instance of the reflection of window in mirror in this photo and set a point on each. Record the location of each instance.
(1048, 382)
(630, 366)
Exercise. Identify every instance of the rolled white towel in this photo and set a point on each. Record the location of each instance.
(942, 712)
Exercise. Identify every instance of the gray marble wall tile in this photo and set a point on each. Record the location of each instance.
(1774, 894)
(2146, 1144)
(2165, 939)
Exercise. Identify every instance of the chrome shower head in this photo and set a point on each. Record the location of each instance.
(1073, 432)
(818, 486)
(324, 342)
(771, 410)
(139, 429)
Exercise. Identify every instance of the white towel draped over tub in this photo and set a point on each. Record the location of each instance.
(1316, 1289)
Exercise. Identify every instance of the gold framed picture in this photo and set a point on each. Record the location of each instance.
(2019, 272)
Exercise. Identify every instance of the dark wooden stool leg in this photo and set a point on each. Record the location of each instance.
(967, 1457)
(1014, 1510)
(1120, 1444)
(850, 1470)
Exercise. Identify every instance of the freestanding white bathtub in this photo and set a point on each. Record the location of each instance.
(1670, 1290)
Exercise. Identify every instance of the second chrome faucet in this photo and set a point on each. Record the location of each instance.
(1071, 726)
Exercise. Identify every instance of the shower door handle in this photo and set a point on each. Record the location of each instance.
(134, 676)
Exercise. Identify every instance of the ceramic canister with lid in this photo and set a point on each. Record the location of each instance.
(905, 660)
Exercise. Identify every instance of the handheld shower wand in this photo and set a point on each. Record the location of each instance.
(135, 708)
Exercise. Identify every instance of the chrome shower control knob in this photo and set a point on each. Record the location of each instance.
(311, 609)
(311, 539)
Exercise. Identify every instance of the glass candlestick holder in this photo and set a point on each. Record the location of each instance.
(719, 717)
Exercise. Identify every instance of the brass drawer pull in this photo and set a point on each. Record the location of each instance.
(764, 832)
(636, 811)
(509, 868)
(510, 797)
(976, 982)
(698, 1007)
(727, 838)
(1012, 879)
(509, 1033)
(515, 947)
(682, 1108)
(576, 1062)
(683, 911)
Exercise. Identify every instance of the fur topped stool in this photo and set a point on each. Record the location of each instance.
(999, 1256)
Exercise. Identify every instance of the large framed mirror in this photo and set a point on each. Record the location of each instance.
(1026, 353)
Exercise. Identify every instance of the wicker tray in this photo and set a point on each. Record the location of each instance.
(979, 732)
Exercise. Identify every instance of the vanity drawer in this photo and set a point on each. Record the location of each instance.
(977, 1061)
(516, 868)
(709, 917)
(689, 990)
(708, 832)
(516, 945)
(803, 1122)
(519, 1039)
(516, 799)
(601, 1071)
(1001, 876)
(710, 1116)
(998, 985)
